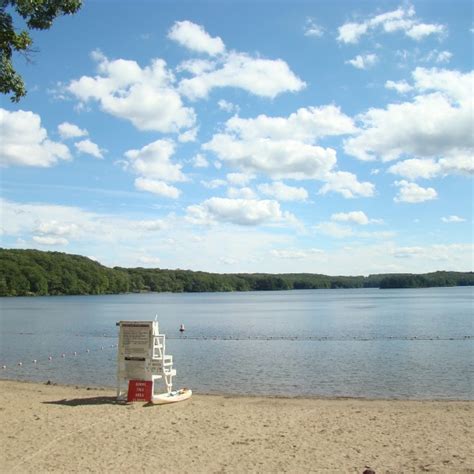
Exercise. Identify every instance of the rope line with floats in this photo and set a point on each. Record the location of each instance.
(181, 337)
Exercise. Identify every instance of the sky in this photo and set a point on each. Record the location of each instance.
(329, 137)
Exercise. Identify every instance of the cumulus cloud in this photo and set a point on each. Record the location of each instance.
(55, 228)
(347, 185)
(199, 161)
(47, 240)
(50, 222)
(419, 31)
(333, 229)
(69, 130)
(89, 147)
(247, 212)
(239, 179)
(25, 142)
(154, 161)
(283, 192)
(356, 217)
(195, 38)
(157, 187)
(363, 61)
(436, 124)
(413, 193)
(439, 56)
(259, 76)
(214, 183)
(188, 136)
(402, 87)
(313, 29)
(227, 106)
(282, 147)
(456, 163)
(402, 19)
(453, 219)
(144, 96)
(241, 193)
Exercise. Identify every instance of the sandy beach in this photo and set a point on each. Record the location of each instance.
(50, 428)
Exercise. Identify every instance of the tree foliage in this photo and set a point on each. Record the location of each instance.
(33, 272)
(38, 15)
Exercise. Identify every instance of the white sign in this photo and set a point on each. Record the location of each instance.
(135, 339)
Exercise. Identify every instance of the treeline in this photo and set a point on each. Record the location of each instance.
(33, 272)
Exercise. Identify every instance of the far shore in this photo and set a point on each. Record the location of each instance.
(53, 428)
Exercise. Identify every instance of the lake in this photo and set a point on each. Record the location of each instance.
(407, 343)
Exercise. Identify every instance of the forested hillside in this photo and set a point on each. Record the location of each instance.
(33, 272)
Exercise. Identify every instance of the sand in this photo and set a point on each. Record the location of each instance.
(49, 428)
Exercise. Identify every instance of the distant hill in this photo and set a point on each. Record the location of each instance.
(33, 272)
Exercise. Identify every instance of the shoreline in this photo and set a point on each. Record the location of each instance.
(248, 395)
(56, 428)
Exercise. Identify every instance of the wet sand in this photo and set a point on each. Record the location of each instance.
(50, 428)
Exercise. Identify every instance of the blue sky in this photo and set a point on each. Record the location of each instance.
(271, 136)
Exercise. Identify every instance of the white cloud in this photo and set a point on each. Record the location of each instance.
(196, 66)
(296, 254)
(282, 147)
(154, 161)
(363, 61)
(283, 192)
(152, 225)
(435, 253)
(228, 260)
(357, 217)
(436, 124)
(239, 179)
(459, 163)
(306, 124)
(453, 219)
(147, 260)
(227, 106)
(402, 19)
(276, 158)
(91, 148)
(402, 87)
(195, 38)
(419, 31)
(416, 168)
(347, 185)
(26, 143)
(69, 130)
(248, 212)
(413, 193)
(188, 136)
(262, 77)
(241, 193)
(55, 228)
(146, 97)
(214, 183)
(157, 187)
(47, 240)
(199, 161)
(439, 57)
(115, 240)
(333, 229)
(313, 29)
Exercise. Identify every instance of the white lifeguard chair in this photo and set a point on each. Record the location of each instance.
(142, 361)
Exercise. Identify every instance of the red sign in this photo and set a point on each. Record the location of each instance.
(139, 391)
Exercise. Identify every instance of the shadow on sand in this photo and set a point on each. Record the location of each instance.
(76, 402)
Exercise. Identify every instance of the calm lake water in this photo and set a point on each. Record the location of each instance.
(414, 343)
